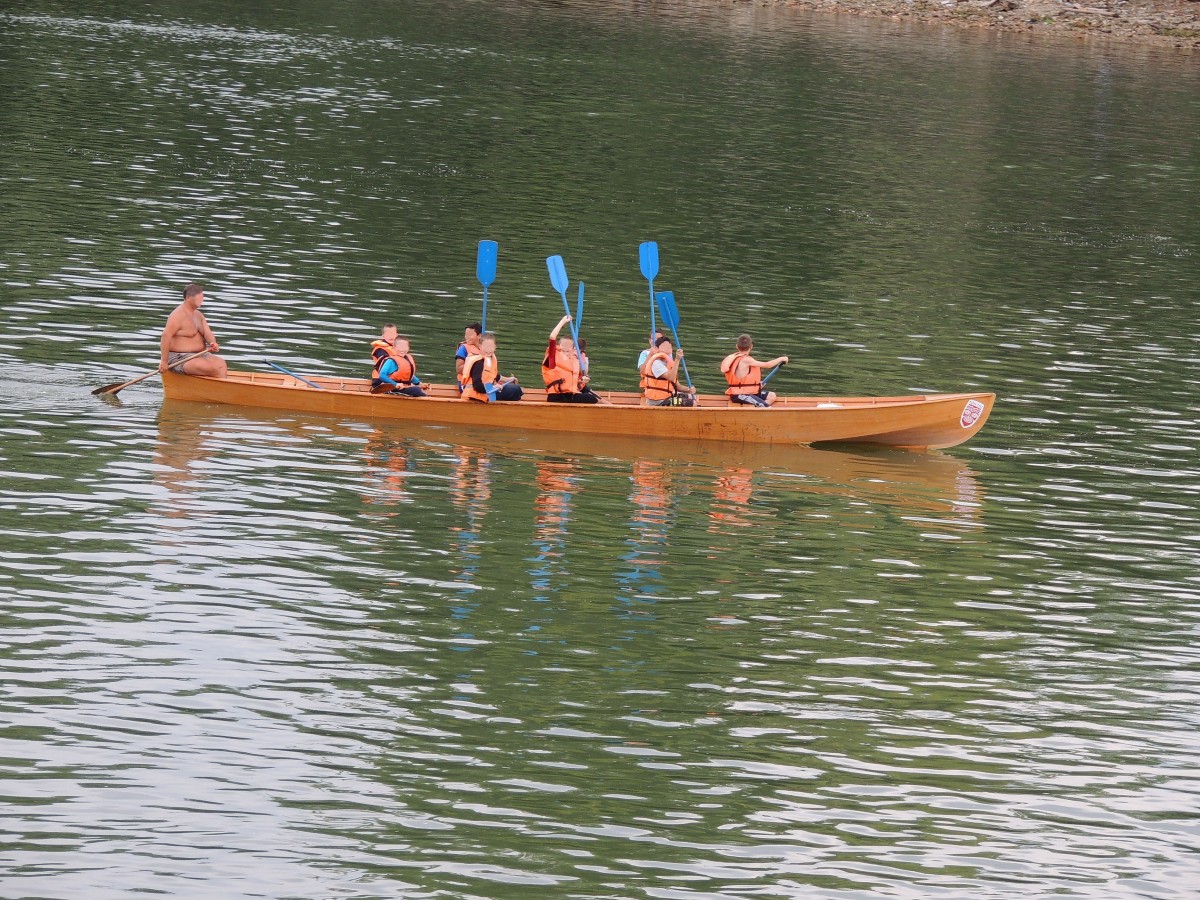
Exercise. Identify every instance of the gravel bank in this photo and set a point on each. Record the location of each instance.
(1160, 23)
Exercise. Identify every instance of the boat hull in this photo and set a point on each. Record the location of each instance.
(932, 421)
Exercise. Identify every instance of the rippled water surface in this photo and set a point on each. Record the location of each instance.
(247, 653)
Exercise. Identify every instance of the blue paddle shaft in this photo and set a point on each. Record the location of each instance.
(294, 375)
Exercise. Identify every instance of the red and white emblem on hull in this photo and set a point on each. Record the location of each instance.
(971, 413)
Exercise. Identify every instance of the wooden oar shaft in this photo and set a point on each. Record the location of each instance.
(120, 386)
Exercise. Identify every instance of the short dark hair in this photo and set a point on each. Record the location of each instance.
(387, 325)
(663, 339)
(744, 342)
(477, 328)
(192, 290)
(582, 344)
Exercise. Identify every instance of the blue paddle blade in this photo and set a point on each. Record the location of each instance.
(648, 258)
(558, 274)
(667, 310)
(485, 267)
(579, 309)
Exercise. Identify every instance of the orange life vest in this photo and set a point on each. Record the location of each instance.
(472, 350)
(563, 378)
(748, 383)
(380, 351)
(654, 388)
(406, 368)
(491, 371)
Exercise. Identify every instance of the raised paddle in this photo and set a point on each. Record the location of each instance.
(485, 271)
(558, 278)
(648, 260)
(119, 386)
(670, 316)
(579, 310)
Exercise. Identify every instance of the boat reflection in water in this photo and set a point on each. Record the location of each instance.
(724, 481)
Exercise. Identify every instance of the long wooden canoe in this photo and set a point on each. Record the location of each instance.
(931, 421)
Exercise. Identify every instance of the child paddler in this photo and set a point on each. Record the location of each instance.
(660, 377)
(744, 374)
(394, 371)
(481, 381)
(468, 347)
(562, 372)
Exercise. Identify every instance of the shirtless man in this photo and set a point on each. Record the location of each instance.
(187, 332)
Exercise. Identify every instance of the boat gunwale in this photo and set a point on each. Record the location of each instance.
(356, 387)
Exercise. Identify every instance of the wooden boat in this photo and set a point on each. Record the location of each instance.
(929, 421)
(932, 486)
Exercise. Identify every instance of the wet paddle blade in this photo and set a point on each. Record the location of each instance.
(485, 266)
(667, 311)
(648, 258)
(121, 385)
(558, 275)
(579, 310)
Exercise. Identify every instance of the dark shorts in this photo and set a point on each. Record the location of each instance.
(510, 391)
(759, 399)
(585, 396)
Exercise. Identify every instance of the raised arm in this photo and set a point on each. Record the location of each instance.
(557, 328)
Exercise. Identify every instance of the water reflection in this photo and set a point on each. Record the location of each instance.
(651, 503)
(557, 481)
(389, 464)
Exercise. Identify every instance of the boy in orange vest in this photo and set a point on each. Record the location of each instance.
(744, 374)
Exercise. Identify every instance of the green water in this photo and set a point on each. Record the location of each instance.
(264, 654)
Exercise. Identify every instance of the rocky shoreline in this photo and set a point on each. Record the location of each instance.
(1158, 23)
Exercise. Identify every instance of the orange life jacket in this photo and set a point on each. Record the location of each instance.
(563, 378)
(380, 351)
(748, 383)
(406, 368)
(491, 371)
(472, 350)
(653, 387)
